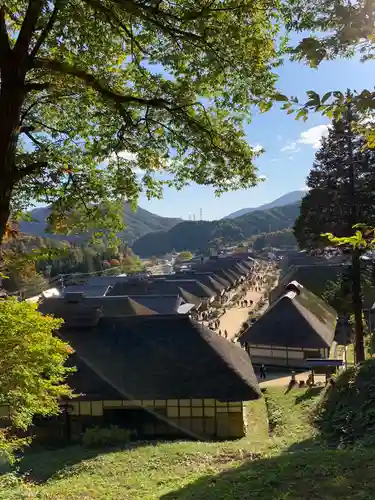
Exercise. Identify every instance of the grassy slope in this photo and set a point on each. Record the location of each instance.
(258, 467)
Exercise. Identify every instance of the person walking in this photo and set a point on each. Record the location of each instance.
(225, 334)
(263, 373)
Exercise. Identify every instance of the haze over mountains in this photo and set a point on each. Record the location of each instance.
(286, 199)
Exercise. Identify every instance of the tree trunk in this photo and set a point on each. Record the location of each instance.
(357, 306)
(356, 253)
(11, 99)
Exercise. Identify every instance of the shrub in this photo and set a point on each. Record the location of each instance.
(346, 411)
(275, 415)
(97, 437)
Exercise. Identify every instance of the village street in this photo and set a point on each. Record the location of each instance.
(233, 318)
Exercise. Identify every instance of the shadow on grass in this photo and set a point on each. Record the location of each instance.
(318, 475)
(310, 393)
(41, 464)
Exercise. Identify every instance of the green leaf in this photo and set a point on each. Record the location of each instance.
(280, 97)
(326, 96)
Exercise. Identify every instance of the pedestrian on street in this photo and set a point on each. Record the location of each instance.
(225, 334)
(263, 373)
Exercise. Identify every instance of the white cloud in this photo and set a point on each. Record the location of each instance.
(313, 136)
(291, 147)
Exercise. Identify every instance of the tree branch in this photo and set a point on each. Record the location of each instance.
(92, 82)
(114, 21)
(37, 86)
(21, 48)
(155, 16)
(32, 168)
(46, 30)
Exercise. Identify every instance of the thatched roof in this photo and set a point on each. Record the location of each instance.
(73, 306)
(207, 279)
(193, 286)
(162, 304)
(298, 319)
(225, 272)
(164, 357)
(189, 292)
(95, 290)
(313, 277)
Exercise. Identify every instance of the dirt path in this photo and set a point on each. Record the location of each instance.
(232, 320)
(282, 380)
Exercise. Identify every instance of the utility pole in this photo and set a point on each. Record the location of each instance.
(356, 252)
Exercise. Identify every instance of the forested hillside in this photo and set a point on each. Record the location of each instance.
(138, 223)
(277, 239)
(200, 235)
(31, 263)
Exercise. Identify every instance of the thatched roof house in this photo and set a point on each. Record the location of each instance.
(163, 357)
(296, 326)
(170, 368)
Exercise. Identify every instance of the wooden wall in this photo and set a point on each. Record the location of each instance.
(213, 419)
(289, 355)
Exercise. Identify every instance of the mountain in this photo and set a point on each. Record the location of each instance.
(201, 235)
(286, 199)
(138, 224)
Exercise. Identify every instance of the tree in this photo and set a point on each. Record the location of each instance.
(184, 255)
(93, 90)
(342, 190)
(336, 29)
(32, 370)
(343, 27)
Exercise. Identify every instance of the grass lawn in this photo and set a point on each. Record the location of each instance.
(258, 467)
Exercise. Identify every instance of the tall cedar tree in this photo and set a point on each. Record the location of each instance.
(138, 86)
(342, 193)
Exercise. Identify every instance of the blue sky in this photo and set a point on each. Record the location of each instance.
(289, 145)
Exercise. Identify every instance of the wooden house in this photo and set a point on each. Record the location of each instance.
(161, 376)
(299, 325)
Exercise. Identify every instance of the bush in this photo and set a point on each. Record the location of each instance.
(97, 437)
(275, 415)
(346, 411)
